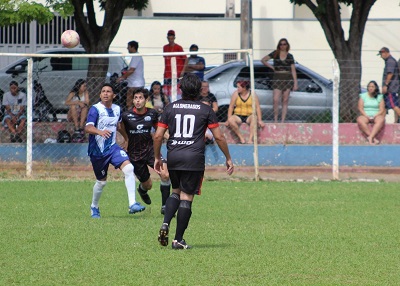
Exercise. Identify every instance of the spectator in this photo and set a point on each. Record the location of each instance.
(157, 98)
(209, 137)
(172, 47)
(103, 120)
(134, 75)
(205, 93)
(390, 81)
(78, 102)
(240, 111)
(285, 77)
(372, 109)
(194, 63)
(14, 102)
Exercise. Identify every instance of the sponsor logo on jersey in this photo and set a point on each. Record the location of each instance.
(147, 118)
(176, 142)
(186, 106)
(139, 126)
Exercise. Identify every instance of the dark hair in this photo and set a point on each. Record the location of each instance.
(277, 51)
(190, 85)
(14, 83)
(78, 85)
(144, 91)
(376, 91)
(109, 85)
(244, 84)
(134, 44)
(194, 46)
(161, 93)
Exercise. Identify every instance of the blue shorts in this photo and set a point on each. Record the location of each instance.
(115, 157)
(391, 100)
(9, 117)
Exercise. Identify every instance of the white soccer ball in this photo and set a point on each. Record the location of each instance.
(70, 39)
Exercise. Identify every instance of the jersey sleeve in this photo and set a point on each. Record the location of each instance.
(93, 116)
(212, 119)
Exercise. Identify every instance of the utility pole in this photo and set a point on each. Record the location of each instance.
(246, 26)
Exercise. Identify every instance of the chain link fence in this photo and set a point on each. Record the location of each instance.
(55, 74)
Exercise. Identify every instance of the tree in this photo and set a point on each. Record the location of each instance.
(347, 52)
(97, 39)
(19, 11)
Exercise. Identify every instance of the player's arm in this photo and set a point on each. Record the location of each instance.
(157, 142)
(220, 139)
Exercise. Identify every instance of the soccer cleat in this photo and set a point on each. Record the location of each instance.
(163, 210)
(163, 234)
(95, 212)
(180, 244)
(145, 196)
(136, 208)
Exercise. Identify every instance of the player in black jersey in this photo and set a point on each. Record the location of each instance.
(187, 120)
(138, 124)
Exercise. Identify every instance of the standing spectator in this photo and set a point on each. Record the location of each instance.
(205, 93)
(172, 47)
(186, 119)
(158, 99)
(102, 122)
(390, 81)
(285, 77)
(372, 109)
(136, 128)
(14, 102)
(78, 102)
(134, 75)
(194, 63)
(240, 111)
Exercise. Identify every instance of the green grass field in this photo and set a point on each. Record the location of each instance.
(242, 233)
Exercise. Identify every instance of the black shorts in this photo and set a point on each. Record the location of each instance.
(141, 169)
(188, 182)
(243, 118)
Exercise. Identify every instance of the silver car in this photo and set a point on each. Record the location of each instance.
(56, 75)
(312, 102)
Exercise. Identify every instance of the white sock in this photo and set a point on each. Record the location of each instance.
(130, 183)
(97, 190)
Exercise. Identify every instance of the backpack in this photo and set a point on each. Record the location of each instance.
(77, 137)
(64, 137)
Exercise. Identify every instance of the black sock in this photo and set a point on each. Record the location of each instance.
(165, 191)
(141, 190)
(182, 219)
(171, 206)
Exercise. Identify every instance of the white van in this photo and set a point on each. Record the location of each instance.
(56, 75)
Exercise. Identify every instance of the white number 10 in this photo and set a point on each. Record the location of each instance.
(185, 131)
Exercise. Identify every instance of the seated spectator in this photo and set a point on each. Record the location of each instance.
(78, 102)
(372, 109)
(209, 137)
(157, 100)
(14, 118)
(205, 93)
(240, 109)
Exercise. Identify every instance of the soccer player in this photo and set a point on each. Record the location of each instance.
(102, 122)
(187, 119)
(136, 128)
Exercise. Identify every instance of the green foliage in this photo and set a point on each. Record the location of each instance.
(12, 12)
(243, 233)
(134, 4)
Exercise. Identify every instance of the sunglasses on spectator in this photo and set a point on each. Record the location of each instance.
(282, 44)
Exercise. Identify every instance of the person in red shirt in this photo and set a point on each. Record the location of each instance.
(172, 47)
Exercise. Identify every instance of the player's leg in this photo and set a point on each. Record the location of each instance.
(100, 169)
(165, 187)
(143, 175)
(190, 183)
(119, 159)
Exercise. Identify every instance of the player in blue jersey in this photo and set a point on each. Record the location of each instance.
(187, 120)
(102, 123)
(136, 128)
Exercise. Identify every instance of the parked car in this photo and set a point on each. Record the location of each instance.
(313, 98)
(56, 75)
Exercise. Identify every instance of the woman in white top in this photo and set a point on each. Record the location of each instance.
(78, 101)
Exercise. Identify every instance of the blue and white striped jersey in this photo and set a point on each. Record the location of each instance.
(103, 119)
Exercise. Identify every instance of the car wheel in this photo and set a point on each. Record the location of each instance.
(222, 113)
